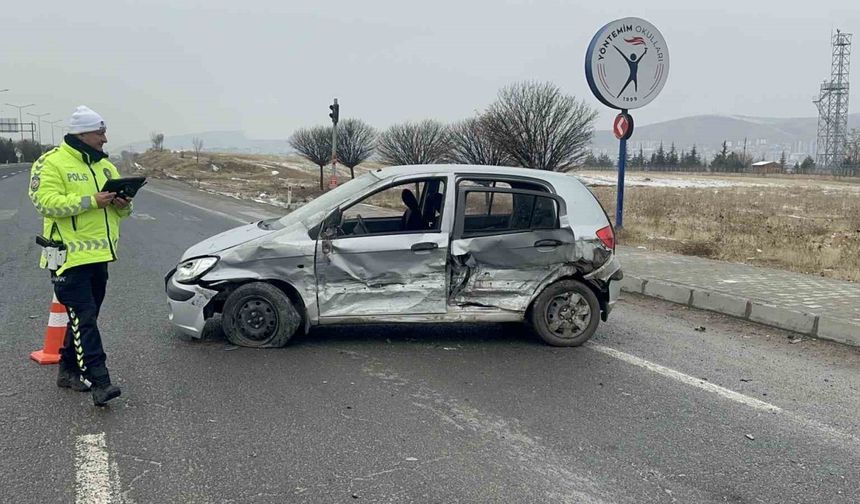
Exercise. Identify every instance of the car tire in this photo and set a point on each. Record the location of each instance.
(259, 315)
(566, 313)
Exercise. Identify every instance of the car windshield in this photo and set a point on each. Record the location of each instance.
(314, 211)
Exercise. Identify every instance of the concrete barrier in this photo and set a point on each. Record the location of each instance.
(841, 331)
(720, 303)
(669, 292)
(783, 318)
(632, 284)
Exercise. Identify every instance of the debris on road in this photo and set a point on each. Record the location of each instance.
(750, 437)
(746, 379)
(411, 459)
(700, 329)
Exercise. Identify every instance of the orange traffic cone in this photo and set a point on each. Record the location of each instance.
(54, 335)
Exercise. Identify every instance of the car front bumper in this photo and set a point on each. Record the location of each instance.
(187, 303)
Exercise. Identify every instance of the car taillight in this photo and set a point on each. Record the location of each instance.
(607, 237)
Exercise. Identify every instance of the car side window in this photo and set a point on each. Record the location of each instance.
(407, 207)
(488, 211)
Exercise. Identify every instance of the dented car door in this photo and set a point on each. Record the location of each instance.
(506, 242)
(381, 271)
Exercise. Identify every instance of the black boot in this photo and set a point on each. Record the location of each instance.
(69, 377)
(103, 391)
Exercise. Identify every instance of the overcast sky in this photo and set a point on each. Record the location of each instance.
(268, 67)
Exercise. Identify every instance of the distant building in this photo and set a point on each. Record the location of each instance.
(764, 167)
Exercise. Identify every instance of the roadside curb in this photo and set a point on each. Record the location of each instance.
(817, 326)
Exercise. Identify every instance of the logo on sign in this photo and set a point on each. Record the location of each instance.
(627, 63)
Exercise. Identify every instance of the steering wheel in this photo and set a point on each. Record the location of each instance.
(360, 227)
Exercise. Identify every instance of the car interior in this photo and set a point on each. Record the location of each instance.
(409, 207)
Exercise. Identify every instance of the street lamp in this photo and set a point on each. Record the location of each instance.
(20, 121)
(39, 118)
(52, 123)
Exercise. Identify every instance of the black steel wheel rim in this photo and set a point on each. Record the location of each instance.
(257, 319)
(568, 315)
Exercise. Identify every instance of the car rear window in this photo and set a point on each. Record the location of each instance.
(489, 212)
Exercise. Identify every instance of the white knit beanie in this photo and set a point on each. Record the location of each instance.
(84, 120)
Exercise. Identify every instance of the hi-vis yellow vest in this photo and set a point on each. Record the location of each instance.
(62, 184)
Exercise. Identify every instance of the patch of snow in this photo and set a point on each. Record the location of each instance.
(654, 181)
(275, 172)
(215, 167)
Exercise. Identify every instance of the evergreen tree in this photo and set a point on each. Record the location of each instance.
(720, 159)
(604, 161)
(693, 159)
(672, 158)
(782, 162)
(659, 159)
(807, 165)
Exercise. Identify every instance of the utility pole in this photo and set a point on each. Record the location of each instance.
(21, 121)
(335, 113)
(39, 118)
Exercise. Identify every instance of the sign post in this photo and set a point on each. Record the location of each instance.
(626, 66)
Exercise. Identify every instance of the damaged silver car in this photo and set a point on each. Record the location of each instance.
(410, 244)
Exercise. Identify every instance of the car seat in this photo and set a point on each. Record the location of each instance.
(411, 219)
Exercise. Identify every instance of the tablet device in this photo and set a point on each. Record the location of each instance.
(125, 187)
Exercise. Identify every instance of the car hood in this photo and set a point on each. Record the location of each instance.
(227, 239)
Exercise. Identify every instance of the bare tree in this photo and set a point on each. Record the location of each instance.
(470, 144)
(197, 143)
(355, 141)
(539, 127)
(852, 148)
(427, 142)
(157, 140)
(314, 144)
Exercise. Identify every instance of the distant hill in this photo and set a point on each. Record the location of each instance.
(764, 135)
(227, 141)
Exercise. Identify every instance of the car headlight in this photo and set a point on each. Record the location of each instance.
(192, 269)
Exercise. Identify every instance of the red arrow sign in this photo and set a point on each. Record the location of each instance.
(622, 127)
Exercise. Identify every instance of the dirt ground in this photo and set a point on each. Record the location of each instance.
(804, 224)
(278, 180)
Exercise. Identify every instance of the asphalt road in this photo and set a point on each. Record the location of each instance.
(654, 409)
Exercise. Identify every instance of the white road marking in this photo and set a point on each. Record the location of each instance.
(192, 205)
(726, 393)
(7, 214)
(687, 379)
(93, 482)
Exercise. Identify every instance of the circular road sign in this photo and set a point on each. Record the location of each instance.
(627, 63)
(622, 127)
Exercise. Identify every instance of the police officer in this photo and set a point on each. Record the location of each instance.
(65, 187)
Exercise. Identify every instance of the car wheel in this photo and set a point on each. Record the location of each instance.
(259, 315)
(566, 313)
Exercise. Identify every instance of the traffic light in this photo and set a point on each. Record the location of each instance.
(335, 112)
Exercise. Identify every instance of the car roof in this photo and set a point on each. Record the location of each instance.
(394, 171)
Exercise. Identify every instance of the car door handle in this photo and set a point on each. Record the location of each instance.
(547, 243)
(418, 247)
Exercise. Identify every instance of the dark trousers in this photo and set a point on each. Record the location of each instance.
(81, 290)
